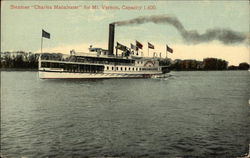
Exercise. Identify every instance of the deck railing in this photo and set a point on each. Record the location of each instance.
(87, 62)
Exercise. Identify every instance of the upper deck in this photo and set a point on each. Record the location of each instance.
(96, 59)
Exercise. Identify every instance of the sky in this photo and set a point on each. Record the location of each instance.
(22, 23)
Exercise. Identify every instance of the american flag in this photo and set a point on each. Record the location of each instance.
(170, 50)
(139, 45)
(45, 34)
(151, 46)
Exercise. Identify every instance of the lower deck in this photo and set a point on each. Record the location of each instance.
(65, 75)
(94, 68)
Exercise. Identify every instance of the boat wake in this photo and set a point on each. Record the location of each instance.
(162, 76)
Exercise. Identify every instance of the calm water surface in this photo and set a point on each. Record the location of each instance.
(190, 114)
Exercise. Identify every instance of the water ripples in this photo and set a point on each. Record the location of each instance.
(189, 114)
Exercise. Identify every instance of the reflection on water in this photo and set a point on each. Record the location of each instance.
(189, 114)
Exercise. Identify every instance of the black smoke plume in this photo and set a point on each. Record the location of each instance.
(226, 36)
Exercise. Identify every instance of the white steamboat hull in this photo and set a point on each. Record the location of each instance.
(66, 75)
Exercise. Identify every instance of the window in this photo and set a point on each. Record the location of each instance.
(116, 68)
(112, 68)
(133, 69)
(121, 68)
(129, 68)
(107, 68)
(125, 69)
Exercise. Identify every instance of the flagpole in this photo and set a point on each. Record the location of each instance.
(39, 60)
(166, 51)
(116, 51)
(42, 45)
(148, 52)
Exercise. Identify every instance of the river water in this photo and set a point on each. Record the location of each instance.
(189, 114)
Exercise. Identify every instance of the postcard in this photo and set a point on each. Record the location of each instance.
(125, 78)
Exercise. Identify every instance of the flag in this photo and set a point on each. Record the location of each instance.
(151, 46)
(133, 46)
(170, 50)
(45, 34)
(139, 45)
(120, 46)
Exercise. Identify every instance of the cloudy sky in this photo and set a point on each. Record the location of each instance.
(22, 22)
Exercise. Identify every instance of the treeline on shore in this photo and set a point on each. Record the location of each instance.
(29, 60)
(19, 60)
(205, 65)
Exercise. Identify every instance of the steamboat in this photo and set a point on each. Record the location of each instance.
(101, 63)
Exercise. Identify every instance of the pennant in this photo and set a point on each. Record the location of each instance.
(139, 45)
(120, 46)
(151, 46)
(170, 50)
(45, 34)
(133, 46)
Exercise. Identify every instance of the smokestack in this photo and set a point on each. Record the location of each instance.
(111, 38)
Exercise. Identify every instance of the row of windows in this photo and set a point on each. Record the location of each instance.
(91, 68)
(130, 68)
(123, 68)
(73, 67)
(139, 62)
